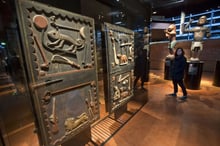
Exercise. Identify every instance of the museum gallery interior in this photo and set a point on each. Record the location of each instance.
(102, 73)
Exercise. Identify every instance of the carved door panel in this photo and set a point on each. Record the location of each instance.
(119, 56)
(60, 58)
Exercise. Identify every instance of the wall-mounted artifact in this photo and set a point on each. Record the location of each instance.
(119, 54)
(60, 59)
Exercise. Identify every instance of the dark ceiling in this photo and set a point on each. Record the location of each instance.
(167, 8)
(170, 8)
(139, 9)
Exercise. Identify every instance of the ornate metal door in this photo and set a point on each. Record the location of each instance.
(60, 58)
(119, 54)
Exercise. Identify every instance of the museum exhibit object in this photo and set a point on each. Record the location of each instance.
(193, 32)
(56, 91)
(162, 31)
(60, 59)
(119, 60)
(170, 33)
(195, 66)
(212, 18)
(199, 32)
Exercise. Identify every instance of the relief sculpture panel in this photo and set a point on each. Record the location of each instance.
(60, 58)
(119, 54)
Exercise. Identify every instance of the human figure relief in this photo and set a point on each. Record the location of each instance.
(170, 33)
(199, 32)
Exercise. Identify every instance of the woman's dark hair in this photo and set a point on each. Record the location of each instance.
(183, 53)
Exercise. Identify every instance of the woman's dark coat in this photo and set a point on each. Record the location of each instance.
(179, 65)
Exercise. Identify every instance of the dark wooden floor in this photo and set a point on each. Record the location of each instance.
(163, 121)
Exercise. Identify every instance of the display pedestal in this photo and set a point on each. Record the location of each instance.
(193, 74)
(216, 80)
(168, 69)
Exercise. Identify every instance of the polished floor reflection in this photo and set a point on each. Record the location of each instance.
(16, 116)
(163, 121)
(152, 119)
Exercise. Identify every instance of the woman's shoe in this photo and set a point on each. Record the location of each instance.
(182, 98)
